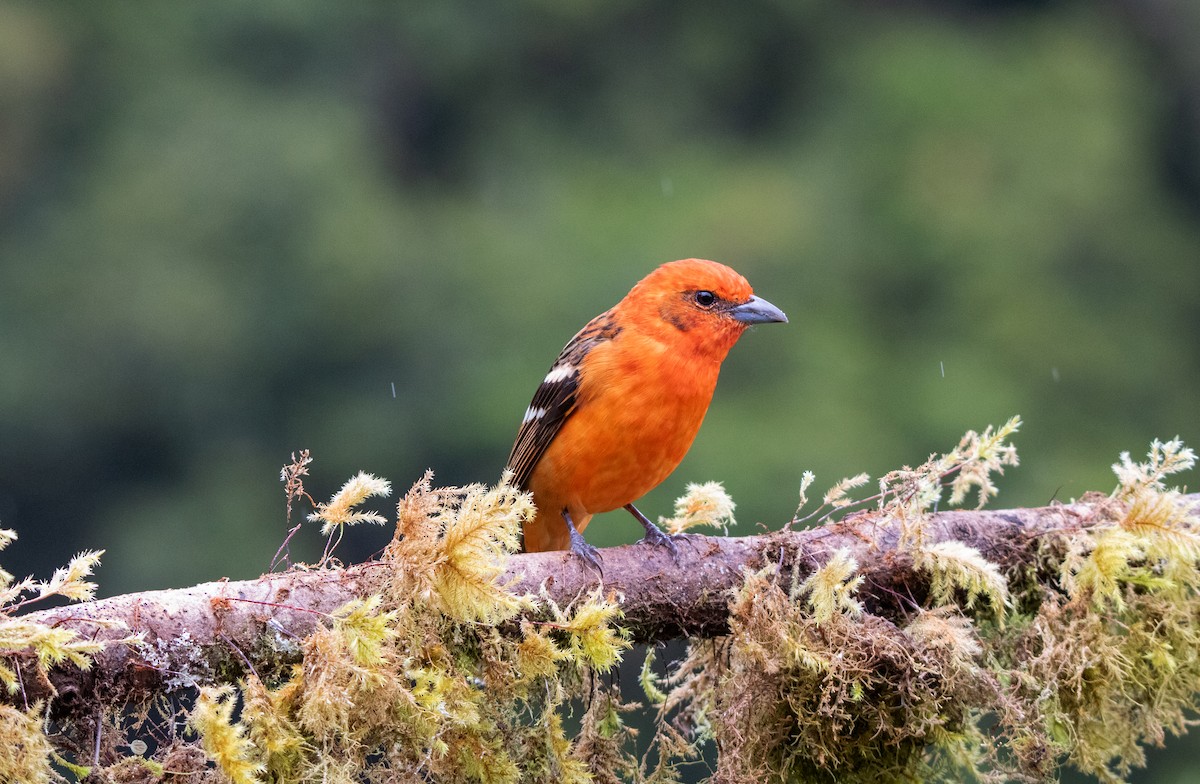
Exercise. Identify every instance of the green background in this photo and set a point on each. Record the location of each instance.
(233, 230)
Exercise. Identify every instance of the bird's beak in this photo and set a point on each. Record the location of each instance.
(757, 311)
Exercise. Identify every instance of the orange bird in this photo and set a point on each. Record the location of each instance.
(622, 403)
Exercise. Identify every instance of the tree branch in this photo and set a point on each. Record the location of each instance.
(214, 629)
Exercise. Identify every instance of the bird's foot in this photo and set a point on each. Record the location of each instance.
(659, 538)
(579, 546)
(655, 535)
(585, 552)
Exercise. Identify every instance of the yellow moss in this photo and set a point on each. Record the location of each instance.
(51, 645)
(365, 630)
(479, 533)
(592, 637)
(979, 456)
(419, 679)
(954, 566)
(562, 766)
(605, 739)
(25, 751)
(649, 681)
(704, 504)
(836, 496)
(340, 510)
(224, 740)
(484, 759)
(847, 697)
(340, 698)
(946, 630)
(272, 730)
(800, 692)
(7, 537)
(537, 655)
(446, 696)
(830, 589)
(1100, 573)
(1099, 656)
(453, 545)
(69, 582)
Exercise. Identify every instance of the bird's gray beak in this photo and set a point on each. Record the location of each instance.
(757, 311)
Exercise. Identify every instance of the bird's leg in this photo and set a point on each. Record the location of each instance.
(580, 547)
(654, 534)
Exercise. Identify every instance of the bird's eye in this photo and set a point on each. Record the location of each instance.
(705, 299)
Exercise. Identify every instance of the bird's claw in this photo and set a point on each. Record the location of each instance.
(656, 537)
(585, 552)
(654, 534)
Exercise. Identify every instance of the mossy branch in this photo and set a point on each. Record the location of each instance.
(210, 632)
(894, 643)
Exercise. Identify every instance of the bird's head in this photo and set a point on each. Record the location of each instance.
(709, 303)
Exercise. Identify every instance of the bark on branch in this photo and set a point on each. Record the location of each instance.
(224, 622)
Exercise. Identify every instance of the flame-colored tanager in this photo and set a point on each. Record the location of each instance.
(622, 403)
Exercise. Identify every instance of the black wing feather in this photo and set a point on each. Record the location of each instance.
(556, 398)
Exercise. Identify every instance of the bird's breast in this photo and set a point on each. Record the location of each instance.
(637, 416)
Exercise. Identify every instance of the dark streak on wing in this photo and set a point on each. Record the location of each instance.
(557, 398)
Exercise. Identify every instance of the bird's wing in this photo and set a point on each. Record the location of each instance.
(555, 398)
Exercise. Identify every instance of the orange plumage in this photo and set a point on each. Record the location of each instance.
(620, 407)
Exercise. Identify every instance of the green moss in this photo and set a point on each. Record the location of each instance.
(1096, 655)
